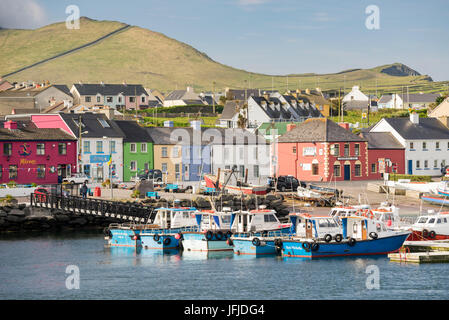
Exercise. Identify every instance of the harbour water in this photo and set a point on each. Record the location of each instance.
(34, 267)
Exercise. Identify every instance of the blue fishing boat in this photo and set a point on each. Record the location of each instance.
(212, 232)
(163, 233)
(256, 231)
(436, 199)
(359, 236)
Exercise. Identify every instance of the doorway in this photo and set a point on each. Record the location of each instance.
(347, 171)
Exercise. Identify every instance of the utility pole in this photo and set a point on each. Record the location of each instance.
(213, 98)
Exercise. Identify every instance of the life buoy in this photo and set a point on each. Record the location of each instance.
(432, 234)
(328, 238)
(156, 237)
(256, 242)
(315, 246)
(219, 235)
(338, 238)
(209, 235)
(352, 242)
(373, 235)
(306, 246)
(167, 241)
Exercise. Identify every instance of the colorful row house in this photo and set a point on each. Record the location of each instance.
(33, 155)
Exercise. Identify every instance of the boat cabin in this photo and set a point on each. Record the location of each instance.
(437, 222)
(256, 220)
(213, 220)
(177, 217)
(363, 228)
(307, 226)
(344, 211)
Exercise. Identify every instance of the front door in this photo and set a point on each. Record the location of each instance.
(347, 168)
(410, 167)
(62, 172)
(309, 229)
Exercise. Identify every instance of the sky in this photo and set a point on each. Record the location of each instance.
(276, 36)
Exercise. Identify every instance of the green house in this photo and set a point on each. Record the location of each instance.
(137, 149)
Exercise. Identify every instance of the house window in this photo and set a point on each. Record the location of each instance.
(13, 172)
(443, 163)
(131, 99)
(315, 169)
(424, 146)
(98, 99)
(133, 148)
(411, 145)
(86, 147)
(435, 163)
(164, 167)
(87, 99)
(357, 149)
(426, 164)
(437, 145)
(133, 166)
(41, 171)
(112, 146)
(40, 149)
(7, 149)
(142, 99)
(99, 146)
(373, 168)
(164, 152)
(256, 171)
(175, 152)
(177, 175)
(358, 170)
(294, 150)
(119, 99)
(335, 150)
(62, 147)
(346, 149)
(255, 153)
(337, 172)
(109, 99)
(418, 165)
(242, 171)
(309, 151)
(143, 147)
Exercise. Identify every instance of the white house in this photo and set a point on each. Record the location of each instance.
(182, 98)
(426, 142)
(245, 150)
(405, 101)
(355, 95)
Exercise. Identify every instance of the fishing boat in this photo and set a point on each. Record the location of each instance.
(162, 233)
(256, 231)
(436, 199)
(236, 186)
(211, 233)
(433, 226)
(355, 236)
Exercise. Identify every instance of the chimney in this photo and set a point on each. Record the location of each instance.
(11, 125)
(291, 126)
(414, 118)
(102, 83)
(190, 89)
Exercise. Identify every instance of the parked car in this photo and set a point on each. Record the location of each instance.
(77, 178)
(153, 174)
(286, 183)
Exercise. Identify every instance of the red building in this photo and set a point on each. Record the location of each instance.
(33, 155)
(385, 154)
(321, 150)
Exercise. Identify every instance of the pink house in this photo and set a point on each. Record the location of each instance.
(33, 155)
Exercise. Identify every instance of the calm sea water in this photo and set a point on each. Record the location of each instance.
(35, 268)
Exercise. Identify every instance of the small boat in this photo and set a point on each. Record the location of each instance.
(238, 187)
(434, 226)
(436, 199)
(356, 236)
(162, 233)
(212, 232)
(256, 231)
(308, 194)
(443, 188)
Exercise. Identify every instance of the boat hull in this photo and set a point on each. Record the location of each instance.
(146, 238)
(381, 246)
(197, 241)
(246, 246)
(256, 190)
(417, 235)
(436, 200)
(124, 238)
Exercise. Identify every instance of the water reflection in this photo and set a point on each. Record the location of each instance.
(202, 255)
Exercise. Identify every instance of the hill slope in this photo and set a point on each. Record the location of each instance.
(142, 56)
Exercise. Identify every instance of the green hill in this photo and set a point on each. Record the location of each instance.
(137, 55)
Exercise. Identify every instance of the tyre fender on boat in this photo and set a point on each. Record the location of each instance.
(167, 241)
(338, 237)
(314, 246)
(432, 234)
(156, 237)
(209, 235)
(352, 242)
(425, 233)
(373, 235)
(256, 242)
(328, 238)
(306, 246)
(219, 235)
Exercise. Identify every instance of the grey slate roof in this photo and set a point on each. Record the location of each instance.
(63, 88)
(428, 128)
(319, 130)
(381, 140)
(27, 130)
(88, 89)
(133, 131)
(92, 125)
(229, 110)
(419, 97)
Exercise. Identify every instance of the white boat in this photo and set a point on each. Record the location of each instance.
(433, 226)
(308, 194)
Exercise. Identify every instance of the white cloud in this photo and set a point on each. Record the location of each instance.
(21, 14)
(251, 2)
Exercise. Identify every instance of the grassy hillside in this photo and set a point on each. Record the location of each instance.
(138, 55)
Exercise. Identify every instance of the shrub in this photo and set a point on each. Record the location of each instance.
(413, 178)
(12, 184)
